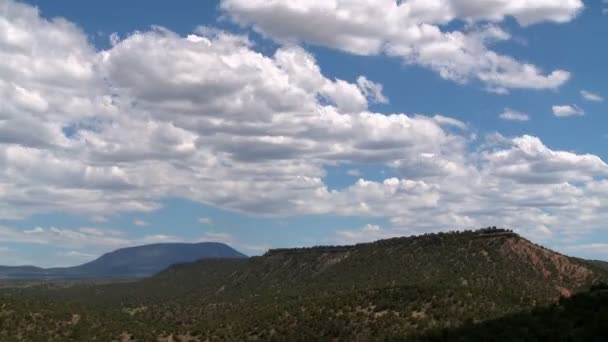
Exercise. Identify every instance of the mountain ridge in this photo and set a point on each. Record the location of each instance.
(394, 289)
(129, 262)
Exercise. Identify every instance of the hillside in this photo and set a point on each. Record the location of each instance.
(601, 264)
(500, 261)
(582, 317)
(132, 262)
(396, 288)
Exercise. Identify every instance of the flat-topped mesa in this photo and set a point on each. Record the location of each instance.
(318, 249)
(493, 231)
(480, 233)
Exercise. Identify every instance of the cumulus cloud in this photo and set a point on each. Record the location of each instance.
(593, 97)
(567, 110)
(371, 90)
(200, 124)
(528, 160)
(513, 115)
(208, 118)
(414, 32)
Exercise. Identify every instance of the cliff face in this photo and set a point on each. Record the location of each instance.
(552, 265)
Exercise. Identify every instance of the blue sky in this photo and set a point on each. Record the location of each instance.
(157, 147)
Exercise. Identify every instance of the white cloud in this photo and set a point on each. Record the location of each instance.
(412, 31)
(75, 245)
(567, 110)
(219, 237)
(205, 220)
(140, 223)
(590, 247)
(80, 255)
(158, 238)
(598, 250)
(369, 232)
(234, 242)
(114, 38)
(593, 97)
(222, 124)
(354, 172)
(513, 115)
(371, 90)
(68, 238)
(529, 161)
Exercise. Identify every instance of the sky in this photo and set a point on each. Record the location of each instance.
(285, 123)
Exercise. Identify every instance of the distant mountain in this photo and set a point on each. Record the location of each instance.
(396, 289)
(132, 262)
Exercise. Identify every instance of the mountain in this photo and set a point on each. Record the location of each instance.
(132, 262)
(494, 260)
(395, 289)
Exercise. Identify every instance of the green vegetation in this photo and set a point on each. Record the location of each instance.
(583, 317)
(425, 287)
